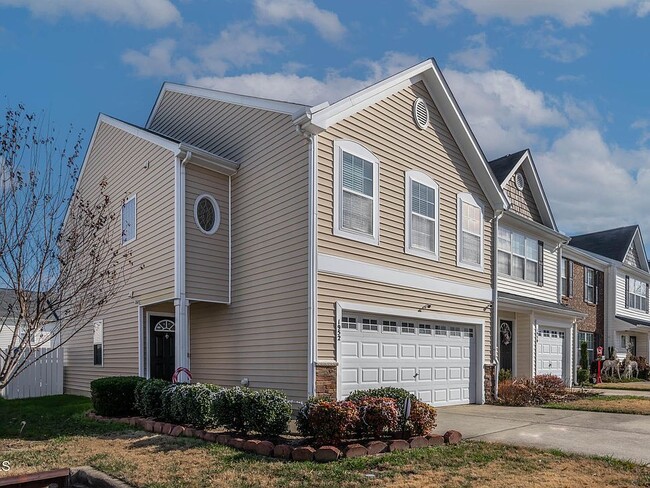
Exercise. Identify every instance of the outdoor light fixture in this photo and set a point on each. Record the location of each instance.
(426, 306)
(245, 382)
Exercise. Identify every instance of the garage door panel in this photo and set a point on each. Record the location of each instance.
(438, 368)
(550, 351)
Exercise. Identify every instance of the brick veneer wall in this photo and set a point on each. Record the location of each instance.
(326, 380)
(488, 382)
(595, 320)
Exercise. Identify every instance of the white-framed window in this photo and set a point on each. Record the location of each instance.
(129, 220)
(389, 326)
(517, 255)
(637, 294)
(470, 232)
(422, 216)
(408, 328)
(349, 323)
(587, 337)
(98, 343)
(424, 329)
(356, 192)
(207, 215)
(590, 285)
(369, 325)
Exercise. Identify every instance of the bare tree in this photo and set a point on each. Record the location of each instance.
(60, 259)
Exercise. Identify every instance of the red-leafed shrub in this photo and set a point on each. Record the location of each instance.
(330, 422)
(422, 419)
(522, 392)
(377, 415)
(516, 393)
(549, 387)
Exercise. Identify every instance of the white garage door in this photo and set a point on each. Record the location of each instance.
(550, 351)
(435, 362)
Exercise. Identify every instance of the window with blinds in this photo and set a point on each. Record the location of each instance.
(128, 220)
(98, 342)
(422, 215)
(470, 232)
(518, 255)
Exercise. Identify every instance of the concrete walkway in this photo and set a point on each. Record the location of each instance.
(610, 392)
(622, 436)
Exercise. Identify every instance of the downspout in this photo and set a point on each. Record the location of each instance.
(495, 301)
(181, 306)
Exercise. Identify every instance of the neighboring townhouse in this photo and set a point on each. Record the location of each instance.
(9, 319)
(536, 331)
(317, 250)
(626, 286)
(582, 287)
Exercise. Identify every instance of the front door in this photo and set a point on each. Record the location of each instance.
(162, 346)
(505, 345)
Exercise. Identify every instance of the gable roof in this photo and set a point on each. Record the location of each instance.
(611, 243)
(7, 301)
(505, 167)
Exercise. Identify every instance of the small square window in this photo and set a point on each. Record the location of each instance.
(454, 332)
(349, 323)
(424, 329)
(441, 330)
(389, 326)
(408, 328)
(370, 325)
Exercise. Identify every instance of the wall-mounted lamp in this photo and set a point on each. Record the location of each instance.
(245, 382)
(424, 307)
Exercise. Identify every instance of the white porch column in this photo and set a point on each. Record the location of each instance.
(182, 339)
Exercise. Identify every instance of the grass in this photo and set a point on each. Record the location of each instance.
(155, 461)
(614, 404)
(627, 385)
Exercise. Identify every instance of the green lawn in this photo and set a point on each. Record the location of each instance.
(58, 435)
(601, 403)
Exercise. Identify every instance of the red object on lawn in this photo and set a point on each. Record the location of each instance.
(178, 372)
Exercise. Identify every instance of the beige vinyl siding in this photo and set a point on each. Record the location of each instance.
(206, 256)
(333, 288)
(120, 158)
(632, 257)
(262, 334)
(523, 288)
(524, 344)
(388, 131)
(523, 202)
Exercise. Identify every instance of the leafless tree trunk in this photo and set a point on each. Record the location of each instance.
(60, 262)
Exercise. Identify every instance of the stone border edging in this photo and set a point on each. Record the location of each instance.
(89, 476)
(287, 452)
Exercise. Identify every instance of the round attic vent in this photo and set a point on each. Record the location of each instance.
(519, 181)
(420, 113)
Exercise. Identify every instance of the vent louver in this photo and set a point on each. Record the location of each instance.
(420, 113)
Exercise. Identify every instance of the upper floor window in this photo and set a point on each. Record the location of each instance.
(128, 220)
(470, 232)
(566, 277)
(636, 294)
(590, 285)
(519, 256)
(421, 215)
(207, 214)
(356, 201)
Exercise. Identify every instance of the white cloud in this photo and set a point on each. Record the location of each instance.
(152, 14)
(503, 112)
(573, 12)
(589, 188)
(238, 45)
(556, 48)
(158, 60)
(278, 12)
(477, 55)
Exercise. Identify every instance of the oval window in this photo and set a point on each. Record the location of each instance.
(206, 214)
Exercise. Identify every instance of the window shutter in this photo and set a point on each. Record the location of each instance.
(646, 297)
(584, 283)
(627, 292)
(570, 275)
(596, 286)
(540, 263)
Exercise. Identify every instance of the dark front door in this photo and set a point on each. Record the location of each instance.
(162, 347)
(505, 344)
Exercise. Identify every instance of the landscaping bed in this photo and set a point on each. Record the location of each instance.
(601, 403)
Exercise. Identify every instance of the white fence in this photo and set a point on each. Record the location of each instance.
(42, 378)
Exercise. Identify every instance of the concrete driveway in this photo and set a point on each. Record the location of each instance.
(622, 436)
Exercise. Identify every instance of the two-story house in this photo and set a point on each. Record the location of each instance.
(315, 249)
(582, 287)
(536, 331)
(626, 287)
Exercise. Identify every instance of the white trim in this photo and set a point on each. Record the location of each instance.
(217, 212)
(100, 343)
(356, 149)
(471, 200)
(243, 100)
(391, 276)
(141, 345)
(425, 180)
(477, 322)
(312, 279)
(229, 240)
(147, 325)
(140, 133)
(203, 300)
(135, 219)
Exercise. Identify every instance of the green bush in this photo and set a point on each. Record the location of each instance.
(584, 356)
(148, 397)
(189, 404)
(582, 376)
(267, 412)
(114, 396)
(505, 374)
(228, 406)
(398, 394)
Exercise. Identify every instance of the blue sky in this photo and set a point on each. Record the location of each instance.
(567, 79)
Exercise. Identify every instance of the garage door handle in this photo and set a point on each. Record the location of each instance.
(416, 375)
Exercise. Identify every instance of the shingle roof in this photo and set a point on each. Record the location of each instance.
(536, 301)
(502, 166)
(7, 298)
(612, 243)
(644, 323)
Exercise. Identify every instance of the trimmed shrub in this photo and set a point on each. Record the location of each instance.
(302, 418)
(189, 404)
(377, 415)
(582, 376)
(422, 419)
(331, 422)
(228, 406)
(148, 397)
(398, 394)
(267, 412)
(516, 393)
(538, 391)
(548, 387)
(504, 375)
(114, 396)
(584, 356)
